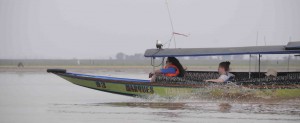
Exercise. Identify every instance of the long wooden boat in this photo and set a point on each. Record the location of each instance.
(286, 84)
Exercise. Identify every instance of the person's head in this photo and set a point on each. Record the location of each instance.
(169, 61)
(224, 67)
(172, 60)
(175, 61)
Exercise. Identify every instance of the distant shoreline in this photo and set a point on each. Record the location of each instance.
(137, 65)
(129, 68)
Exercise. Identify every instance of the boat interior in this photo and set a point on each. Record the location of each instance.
(256, 78)
(198, 77)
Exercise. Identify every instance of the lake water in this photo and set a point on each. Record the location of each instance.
(46, 98)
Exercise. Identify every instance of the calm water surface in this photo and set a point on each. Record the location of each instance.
(42, 97)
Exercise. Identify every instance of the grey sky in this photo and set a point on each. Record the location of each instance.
(101, 28)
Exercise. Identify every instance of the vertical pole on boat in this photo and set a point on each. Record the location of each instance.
(163, 62)
(249, 66)
(259, 66)
(288, 67)
(153, 64)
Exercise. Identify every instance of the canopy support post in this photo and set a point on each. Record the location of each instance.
(259, 66)
(288, 67)
(163, 62)
(249, 66)
(153, 63)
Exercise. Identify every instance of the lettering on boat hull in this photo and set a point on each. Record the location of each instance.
(100, 84)
(139, 88)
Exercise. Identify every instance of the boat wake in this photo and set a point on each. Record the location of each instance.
(229, 92)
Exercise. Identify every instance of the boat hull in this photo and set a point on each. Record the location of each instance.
(131, 89)
(145, 89)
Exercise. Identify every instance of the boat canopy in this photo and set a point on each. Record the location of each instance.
(290, 48)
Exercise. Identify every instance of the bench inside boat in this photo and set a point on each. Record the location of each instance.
(256, 78)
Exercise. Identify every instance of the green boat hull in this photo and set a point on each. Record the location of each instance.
(132, 89)
(148, 89)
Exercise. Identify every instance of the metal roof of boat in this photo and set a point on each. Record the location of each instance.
(290, 48)
(293, 45)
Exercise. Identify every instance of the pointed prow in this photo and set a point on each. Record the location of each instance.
(56, 70)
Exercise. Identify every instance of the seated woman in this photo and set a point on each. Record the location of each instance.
(224, 73)
(173, 68)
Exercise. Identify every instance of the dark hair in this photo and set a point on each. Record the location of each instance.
(225, 65)
(175, 62)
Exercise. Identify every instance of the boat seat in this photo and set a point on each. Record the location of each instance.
(200, 76)
(284, 78)
(189, 77)
(240, 77)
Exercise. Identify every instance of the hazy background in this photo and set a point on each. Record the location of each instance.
(93, 29)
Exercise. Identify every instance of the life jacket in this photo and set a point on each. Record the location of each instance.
(172, 74)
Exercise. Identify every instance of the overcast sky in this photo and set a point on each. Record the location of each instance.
(102, 28)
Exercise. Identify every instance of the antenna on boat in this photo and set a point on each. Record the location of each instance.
(172, 28)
